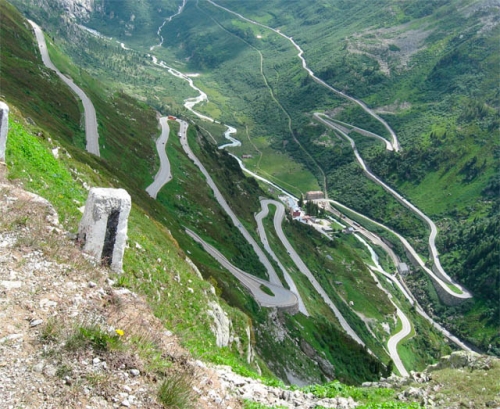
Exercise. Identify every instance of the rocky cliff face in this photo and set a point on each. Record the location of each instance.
(78, 9)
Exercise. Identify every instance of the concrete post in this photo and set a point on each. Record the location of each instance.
(4, 128)
(103, 228)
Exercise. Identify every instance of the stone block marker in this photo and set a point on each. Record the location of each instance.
(103, 228)
(4, 128)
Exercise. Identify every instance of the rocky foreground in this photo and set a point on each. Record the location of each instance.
(70, 337)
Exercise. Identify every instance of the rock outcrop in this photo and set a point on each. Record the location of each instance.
(254, 390)
(443, 385)
(462, 359)
(221, 325)
(74, 9)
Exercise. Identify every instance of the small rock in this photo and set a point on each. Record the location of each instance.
(38, 367)
(72, 236)
(45, 303)
(96, 360)
(135, 372)
(10, 285)
(35, 323)
(50, 370)
(122, 291)
(10, 337)
(125, 403)
(414, 392)
(92, 284)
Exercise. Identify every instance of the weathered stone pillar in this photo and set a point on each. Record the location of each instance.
(103, 228)
(4, 128)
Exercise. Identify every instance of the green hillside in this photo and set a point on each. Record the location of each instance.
(427, 68)
(128, 128)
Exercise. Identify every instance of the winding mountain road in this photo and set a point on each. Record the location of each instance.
(273, 277)
(305, 270)
(395, 142)
(392, 343)
(278, 219)
(402, 288)
(191, 102)
(91, 133)
(282, 298)
(364, 132)
(440, 276)
(164, 175)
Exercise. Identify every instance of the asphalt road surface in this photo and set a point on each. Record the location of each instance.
(164, 175)
(282, 297)
(278, 218)
(91, 132)
(304, 270)
(401, 286)
(392, 344)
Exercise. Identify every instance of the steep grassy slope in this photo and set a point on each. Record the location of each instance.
(62, 181)
(156, 260)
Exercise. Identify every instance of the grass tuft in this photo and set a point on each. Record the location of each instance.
(176, 392)
(93, 336)
(50, 331)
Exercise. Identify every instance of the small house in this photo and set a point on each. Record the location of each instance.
(349, 230)
(403, 269)
(314, 195)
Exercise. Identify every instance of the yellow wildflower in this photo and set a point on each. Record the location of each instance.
(119, 332)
